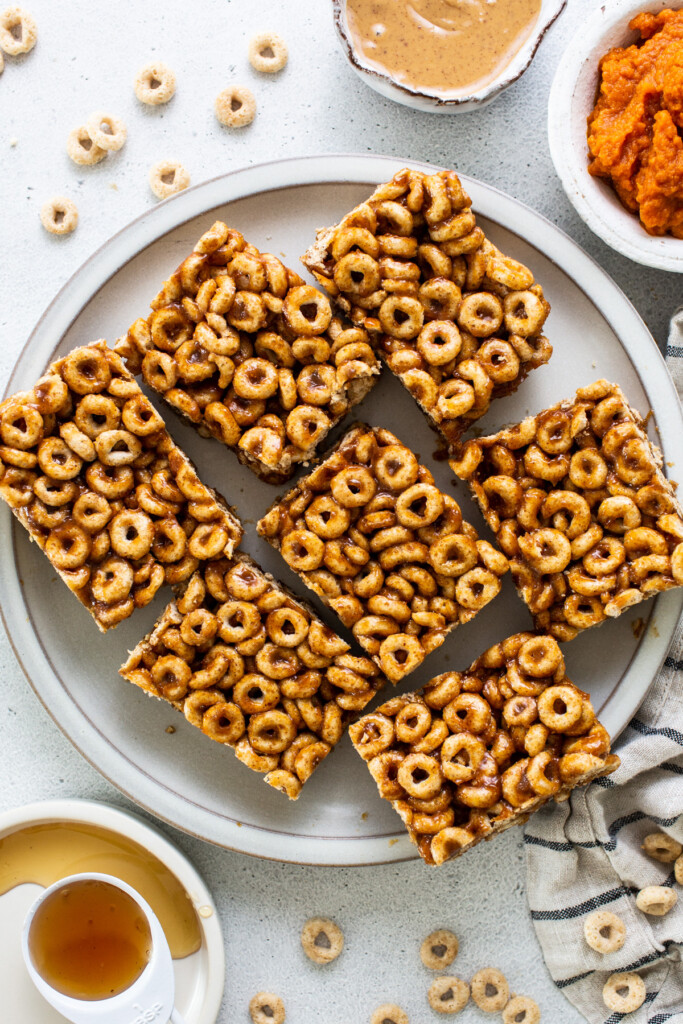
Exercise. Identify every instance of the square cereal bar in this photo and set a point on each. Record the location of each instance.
(579, 504)
(478, 751)
(241, 347)
(87, 466)
(253, 667)
(373, 536)
(458, 322)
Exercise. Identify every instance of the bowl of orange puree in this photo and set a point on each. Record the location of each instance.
(615, 127)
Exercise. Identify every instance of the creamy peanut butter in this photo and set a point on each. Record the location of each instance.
(443, 46)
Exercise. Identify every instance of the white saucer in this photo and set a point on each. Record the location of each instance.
(199, 978)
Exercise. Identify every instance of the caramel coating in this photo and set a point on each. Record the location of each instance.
(255, 669)
(370, 533)
(579, 504)
(457, 321)
(477, 751)
(87, 466)
(249, 354)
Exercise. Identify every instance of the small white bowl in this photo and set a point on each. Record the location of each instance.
(430, 100)
(572, 98)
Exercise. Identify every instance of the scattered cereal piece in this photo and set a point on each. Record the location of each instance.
(439, 949)
(267, 1008)
(2, 63)
(268, 52)
(168, 177)
(624, 993)
(448, 994)
(521, 1010)
(81, 148)
(678, 870)
(662, 847)
(604, 931)
(235, 107)
(18, 31)
(155, 84)
(490, 989)
(59, 216)
(106, 131)
(322, 940)
(389, 1013)
(656, 900)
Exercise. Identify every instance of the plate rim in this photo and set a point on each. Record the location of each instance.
(127, 823)
(201, 199)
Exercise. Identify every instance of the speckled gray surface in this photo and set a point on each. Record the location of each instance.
(86, 59)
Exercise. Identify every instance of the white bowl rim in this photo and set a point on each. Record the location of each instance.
(510, 74)
(572, 166)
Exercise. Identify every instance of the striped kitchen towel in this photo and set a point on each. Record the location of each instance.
(586, 855)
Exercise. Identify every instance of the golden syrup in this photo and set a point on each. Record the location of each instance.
(90, 940)
(45, 853)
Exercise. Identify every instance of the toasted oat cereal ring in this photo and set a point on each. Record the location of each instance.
(267, 52)
(662, 847)
(81, 148)
(678, 870)
(266, 1008)
(18, 31)
(235, 107)
(155, 84)
(168, 177)
(448, 994)
(604, 931)
(439, 949)
(656, 900)
(59, 216)
(624, 993)
(106, 131)
(490, 990)
(389, 1013)
(322, 940)
(521, 1010)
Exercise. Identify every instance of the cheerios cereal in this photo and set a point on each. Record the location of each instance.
(389, 1013)
(448, 994)
(168, 177)
(59, 216)
(268, 52)
(439, 949)
(322, 940)
(82, 149)
(678, 870)
(521, 1010)
(18, 31)
(266, 1008)
(106, 131)
(490, 990)
(662, 847)
(235, 107)
(155, 84)
(624, 993)
(604, 931)
(656, 900)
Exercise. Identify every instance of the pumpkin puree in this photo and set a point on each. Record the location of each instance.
(635, 132)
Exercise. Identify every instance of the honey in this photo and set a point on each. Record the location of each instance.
(90, 940)
(45, 853)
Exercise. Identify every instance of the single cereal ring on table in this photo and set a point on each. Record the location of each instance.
(322, 940)
(18, 31)
(624, 993)
(521, 1010)
(266, 1008)
(106, 131)
(490, 990)
(448, 994)
(167, 177)
(81, 148)
(155, 84)
(59, 216)
(389, 1013)
(604, 931)
(267, 52)
(235, 107)
(439, 949)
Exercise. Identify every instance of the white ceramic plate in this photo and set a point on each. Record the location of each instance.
(199, 978)
(572, 98)
(183, 778)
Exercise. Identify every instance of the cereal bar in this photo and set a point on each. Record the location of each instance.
(250, 354)
(87, 466)
(458, 322)
(478, 751)
(372, 535)
(254, 668)
(579, 504)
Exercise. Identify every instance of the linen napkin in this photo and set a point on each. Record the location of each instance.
(586, 855)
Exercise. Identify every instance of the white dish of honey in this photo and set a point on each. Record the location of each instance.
(44, 842)
(442, 55)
